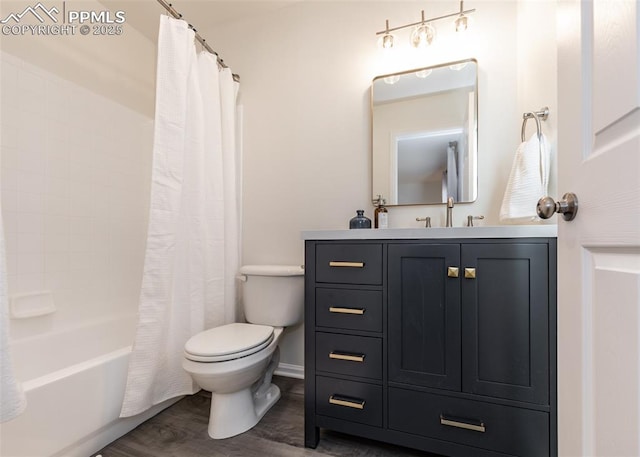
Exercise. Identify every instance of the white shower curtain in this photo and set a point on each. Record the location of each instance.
(192, 251)
(12, 399)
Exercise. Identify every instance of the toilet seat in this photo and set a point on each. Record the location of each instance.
(228, 342)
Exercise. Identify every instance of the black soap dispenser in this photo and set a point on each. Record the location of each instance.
(360, 221)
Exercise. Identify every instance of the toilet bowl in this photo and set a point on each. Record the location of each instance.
(235, 362)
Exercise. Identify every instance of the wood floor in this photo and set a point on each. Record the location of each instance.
(181, 431)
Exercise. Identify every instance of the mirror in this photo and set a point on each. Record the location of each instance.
(425, 135)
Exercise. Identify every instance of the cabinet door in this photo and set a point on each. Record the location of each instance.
(424, 315)
(505, 321)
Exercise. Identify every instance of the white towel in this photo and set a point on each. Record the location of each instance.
(12, 399)
(528, 181)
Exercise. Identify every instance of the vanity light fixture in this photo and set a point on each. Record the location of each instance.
(386, 40)
(424, 31)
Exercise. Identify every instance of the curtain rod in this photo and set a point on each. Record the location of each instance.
(171, 10)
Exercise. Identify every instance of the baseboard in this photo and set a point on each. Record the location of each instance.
(290, 371)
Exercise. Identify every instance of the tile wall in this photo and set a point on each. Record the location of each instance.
(75, 171)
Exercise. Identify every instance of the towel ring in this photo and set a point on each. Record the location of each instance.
(537, 115)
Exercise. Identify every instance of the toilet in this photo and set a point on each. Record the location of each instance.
(235, 362)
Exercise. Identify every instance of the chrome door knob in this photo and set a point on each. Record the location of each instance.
(568, 207)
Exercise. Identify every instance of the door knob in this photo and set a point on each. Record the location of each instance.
(568, 207)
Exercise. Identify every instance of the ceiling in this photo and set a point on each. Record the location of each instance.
(142, 15)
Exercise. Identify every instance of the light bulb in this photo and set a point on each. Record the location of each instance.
(461, 23)
(391, 79)
(422, 36)
(423, 73)
(386, 40)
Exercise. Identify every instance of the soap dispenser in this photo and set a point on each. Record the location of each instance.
(381, 214)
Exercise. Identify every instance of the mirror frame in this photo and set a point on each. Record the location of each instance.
(475, 128)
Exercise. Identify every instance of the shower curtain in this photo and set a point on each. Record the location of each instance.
(12, 399)
(192, 251)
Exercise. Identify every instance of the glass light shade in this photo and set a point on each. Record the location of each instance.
(423, 35)
(386, 41)
(423, 73)
(461, 23)
(392, 79)
(458, 67)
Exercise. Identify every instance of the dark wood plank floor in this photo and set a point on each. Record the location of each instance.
(181, 431)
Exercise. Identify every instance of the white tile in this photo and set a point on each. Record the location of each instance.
(11, 241)
(30, 243)
(56, 241)
(30, 223)
(58, 224)
(30, 263)
(26, 283)
(10, 131)
(58, 280)
(30, 203)
(57, 205)
(30, 182)
(12, 262)
(79, 225)
(10, 221)
(31, 83)
(56, 262)
(9, 200)
(57, 187)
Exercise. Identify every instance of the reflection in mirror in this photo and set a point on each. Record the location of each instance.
(424, 135)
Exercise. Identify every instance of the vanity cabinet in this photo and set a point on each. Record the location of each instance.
(443, 345)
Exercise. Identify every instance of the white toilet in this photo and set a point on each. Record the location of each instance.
(235, 362)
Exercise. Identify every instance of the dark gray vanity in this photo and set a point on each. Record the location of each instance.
(442, 340)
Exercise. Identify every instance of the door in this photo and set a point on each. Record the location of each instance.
(424, 315)
(599, 251)
(505, 321)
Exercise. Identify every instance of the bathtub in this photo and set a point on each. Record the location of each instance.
(74, 382)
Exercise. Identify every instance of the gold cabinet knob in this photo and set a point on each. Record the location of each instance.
(452, 272)
(470, 273)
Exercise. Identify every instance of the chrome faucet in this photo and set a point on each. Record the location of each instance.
(449, 212)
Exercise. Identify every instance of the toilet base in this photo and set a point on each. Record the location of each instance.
(237, 412)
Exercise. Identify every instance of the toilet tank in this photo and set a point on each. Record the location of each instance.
(273, 294)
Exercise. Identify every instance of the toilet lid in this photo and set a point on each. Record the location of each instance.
(228, 342)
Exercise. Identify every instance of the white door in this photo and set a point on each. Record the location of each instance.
(599, 251)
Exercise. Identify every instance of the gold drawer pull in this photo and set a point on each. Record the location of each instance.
(349, 357)
(341, 310)
(455, 423)
(346, 264)
(470, 273)
(358, 404)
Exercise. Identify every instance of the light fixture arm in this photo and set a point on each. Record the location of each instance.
(446, 16)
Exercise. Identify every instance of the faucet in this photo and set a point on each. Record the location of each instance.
(449, 212)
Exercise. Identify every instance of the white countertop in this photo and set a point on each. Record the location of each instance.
(498, 231)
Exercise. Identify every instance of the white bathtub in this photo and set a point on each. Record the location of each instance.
(74, 383)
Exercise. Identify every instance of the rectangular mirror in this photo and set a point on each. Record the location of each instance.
(425, 135)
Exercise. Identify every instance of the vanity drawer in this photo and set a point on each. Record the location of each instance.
(351, 355)
(349, 309)
(505, 429)
(349, 263)
(348, 400)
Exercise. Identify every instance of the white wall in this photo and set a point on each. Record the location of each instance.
(306, 72)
